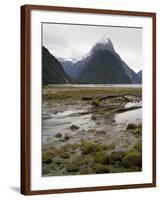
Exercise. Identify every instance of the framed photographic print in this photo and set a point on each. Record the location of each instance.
(88, 99)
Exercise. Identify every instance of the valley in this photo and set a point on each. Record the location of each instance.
(91, 130)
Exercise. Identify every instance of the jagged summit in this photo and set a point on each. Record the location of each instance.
(104, 43)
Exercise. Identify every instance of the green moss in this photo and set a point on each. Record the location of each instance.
(99, 169)
(47, 157)
(57, 161)
(75, 146)
(138, 147)
(45, 171)
(111, 146)
(100, 157)
(96, 102)
(87, 171)
(131, 126)
(100, 147)
(72, 166)
(116, 156)
(88, 147)
(140, 126)
(64, 155)
(137, 131)
(133, 158)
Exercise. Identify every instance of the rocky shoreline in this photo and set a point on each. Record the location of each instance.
(83, 137)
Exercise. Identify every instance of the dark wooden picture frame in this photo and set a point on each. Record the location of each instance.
(26, 96)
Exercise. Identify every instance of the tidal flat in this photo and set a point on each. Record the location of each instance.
(91, 130)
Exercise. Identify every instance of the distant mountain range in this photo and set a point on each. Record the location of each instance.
(140, 75)
(102, 65)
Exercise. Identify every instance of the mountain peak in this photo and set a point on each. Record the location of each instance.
(104, 43)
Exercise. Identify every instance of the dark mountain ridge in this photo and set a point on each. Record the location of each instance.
(52, 70)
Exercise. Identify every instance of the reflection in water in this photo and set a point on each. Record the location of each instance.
(61, 122)
(132, 116)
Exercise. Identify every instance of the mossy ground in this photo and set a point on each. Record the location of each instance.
(91, 156)
(74, 93)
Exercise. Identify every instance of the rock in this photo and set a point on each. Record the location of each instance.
(45, 171)
(92, 130)
(96, 102)
(62, 140)
(131, 126)
(74, 127)
(66, 137)
(64, 155)
(72, 167)
(138, 147)
(88, 147)
(132, 159)
(57, 161)
(100, 132)
(137, 131)
(47, 158)
(99, 169)
(87, 171)
(111, 146)
(93, 117)
(58, 135)
(116, 156)
(101, 157)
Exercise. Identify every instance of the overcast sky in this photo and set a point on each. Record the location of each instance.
(74, 41)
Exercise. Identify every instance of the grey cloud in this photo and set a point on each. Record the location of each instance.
(74, 41)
